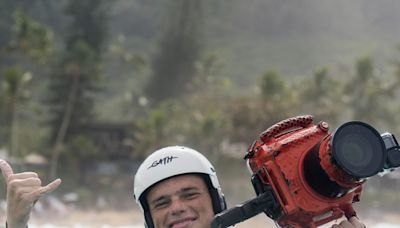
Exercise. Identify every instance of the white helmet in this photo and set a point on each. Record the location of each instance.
(172, 161)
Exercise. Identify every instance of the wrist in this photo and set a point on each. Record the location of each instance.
(16, 225)
(17, 220)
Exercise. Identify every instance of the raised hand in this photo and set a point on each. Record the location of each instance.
(23, 190)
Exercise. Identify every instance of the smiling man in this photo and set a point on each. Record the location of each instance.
(177, 187)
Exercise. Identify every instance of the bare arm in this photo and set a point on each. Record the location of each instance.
(23, 190)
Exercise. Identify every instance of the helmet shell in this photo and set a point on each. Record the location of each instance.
(168, 162)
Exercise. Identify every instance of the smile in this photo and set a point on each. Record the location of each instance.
(182, 223)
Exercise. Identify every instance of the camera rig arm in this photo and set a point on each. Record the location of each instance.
(265, 202)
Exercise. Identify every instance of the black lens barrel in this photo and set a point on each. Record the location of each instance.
(317, 178)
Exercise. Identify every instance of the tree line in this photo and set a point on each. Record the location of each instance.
(51, 88)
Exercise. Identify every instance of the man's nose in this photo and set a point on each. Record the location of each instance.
(178, 207)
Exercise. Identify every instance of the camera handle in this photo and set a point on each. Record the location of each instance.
(348, 211)
(285, 125)
(262, 203)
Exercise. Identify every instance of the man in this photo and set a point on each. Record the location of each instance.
(176, 187)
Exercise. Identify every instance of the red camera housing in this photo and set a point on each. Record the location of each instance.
(278, 159)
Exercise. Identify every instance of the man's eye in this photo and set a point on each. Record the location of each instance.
(161, 204)
(191, 195)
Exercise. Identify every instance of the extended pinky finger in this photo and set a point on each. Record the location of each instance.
(50, 187)
(44, 190)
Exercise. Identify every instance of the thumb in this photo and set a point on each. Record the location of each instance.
(6, 170)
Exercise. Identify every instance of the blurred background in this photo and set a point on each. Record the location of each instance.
(88, 88)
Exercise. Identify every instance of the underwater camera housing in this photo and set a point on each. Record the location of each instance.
(316, 175)
(305, 176)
